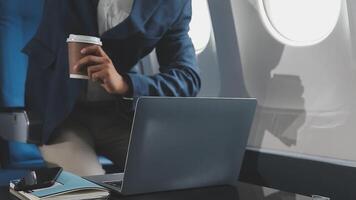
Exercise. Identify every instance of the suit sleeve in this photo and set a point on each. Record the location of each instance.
(179, 76)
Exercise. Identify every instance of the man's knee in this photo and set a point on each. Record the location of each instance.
(74, 151)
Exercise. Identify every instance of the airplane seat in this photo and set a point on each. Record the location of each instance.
(16, 155)
(18, 22)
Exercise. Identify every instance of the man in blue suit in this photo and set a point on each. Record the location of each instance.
(81, 118)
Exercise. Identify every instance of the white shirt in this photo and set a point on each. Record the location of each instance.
(110, 14)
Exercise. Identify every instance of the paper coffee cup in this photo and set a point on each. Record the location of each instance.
(75, 44)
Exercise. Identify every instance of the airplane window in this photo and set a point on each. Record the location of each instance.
(200, 27)
(300, 22)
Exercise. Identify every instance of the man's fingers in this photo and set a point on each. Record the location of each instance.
(94, 69)
(87, 61)
(100, 76)
(93, 50)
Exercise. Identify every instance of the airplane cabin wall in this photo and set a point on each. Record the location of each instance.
(351, 6)
(307, 97)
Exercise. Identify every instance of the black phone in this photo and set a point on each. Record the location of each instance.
(37, 179)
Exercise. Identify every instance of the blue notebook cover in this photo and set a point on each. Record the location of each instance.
(67, 182)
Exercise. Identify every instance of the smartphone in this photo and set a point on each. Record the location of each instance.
(37, 179)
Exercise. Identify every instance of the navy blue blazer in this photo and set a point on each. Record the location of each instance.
(160, 24)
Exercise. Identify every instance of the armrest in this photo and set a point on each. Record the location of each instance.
(16, 124)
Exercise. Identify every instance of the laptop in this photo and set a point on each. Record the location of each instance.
(183, 143)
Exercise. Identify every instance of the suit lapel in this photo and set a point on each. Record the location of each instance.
(83, 17)
(142, 10)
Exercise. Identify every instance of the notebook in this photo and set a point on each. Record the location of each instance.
(67, 187)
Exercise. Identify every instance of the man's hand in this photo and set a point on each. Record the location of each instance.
(101, 69)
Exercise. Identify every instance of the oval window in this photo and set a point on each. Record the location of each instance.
(300, 22)
(200, 26)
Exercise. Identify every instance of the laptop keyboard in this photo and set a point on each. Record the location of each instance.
(116, 184)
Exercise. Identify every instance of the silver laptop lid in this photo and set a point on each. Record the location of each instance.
(179, 143)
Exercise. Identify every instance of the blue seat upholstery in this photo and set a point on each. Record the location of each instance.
(19, 20)
(15, 155)
(7, 175)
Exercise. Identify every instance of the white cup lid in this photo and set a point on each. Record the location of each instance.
(84, 39)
